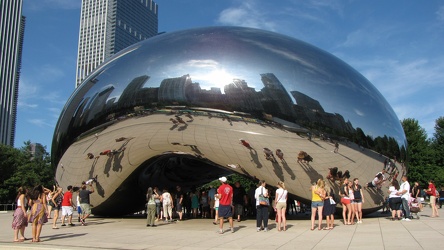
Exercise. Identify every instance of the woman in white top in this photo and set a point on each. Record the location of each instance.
(395, 199)
(281, 205)
(20, 220)
(351, 196)
(167, 202)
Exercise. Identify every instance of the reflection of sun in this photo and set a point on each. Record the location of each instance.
(214, 78)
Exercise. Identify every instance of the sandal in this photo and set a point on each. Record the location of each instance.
(312, 229)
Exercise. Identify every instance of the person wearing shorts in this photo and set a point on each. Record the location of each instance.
(67, 207)
(225, 196)
(317, 202)
(84, 201)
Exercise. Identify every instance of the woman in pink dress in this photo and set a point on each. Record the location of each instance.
(20, 220)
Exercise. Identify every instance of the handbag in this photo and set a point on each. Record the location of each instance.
(263, 201)
(332, 202)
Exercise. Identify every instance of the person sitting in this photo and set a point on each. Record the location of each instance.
(301, 156)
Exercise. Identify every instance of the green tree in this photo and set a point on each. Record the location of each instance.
(21, 167)
(10, 160)
(438, 142)
(419, 151)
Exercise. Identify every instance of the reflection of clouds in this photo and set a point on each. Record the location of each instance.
(202, 63)
(358, 112)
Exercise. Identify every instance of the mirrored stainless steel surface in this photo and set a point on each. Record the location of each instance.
(189, 106)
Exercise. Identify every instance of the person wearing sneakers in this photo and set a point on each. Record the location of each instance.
(225, 196)
(84, 201)
(67, 207)
(404, 191)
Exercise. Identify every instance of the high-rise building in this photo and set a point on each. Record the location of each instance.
(108, 26)
(12, 28)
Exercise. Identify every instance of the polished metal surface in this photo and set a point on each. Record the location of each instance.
(186, 107)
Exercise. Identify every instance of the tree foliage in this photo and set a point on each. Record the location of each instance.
(19, 167)
(425, 155)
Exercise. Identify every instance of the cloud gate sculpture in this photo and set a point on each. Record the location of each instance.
(187, 107)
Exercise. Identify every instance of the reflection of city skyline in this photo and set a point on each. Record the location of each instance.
(271, 101)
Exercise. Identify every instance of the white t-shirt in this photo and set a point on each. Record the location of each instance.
(393, 192)
(166, 198)
(405, 186)
(260, 190)
(281, 195)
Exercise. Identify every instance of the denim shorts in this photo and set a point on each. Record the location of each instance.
(315, 204)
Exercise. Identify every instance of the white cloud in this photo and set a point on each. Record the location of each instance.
(247, 15)
(40, 123)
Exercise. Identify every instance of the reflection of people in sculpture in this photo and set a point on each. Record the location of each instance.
(180, 120)
(245, 143)
(280, 155)
(304, 157)
(121, 139)
(333, 174)
(174, 121)
(336, 147)
(113, 152)
(377, 181)
(189, 116)
(269, 154)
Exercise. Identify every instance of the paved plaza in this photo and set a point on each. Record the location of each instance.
(376, 232)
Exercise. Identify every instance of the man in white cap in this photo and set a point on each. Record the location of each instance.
(225, 196)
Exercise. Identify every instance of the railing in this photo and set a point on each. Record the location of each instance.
(7, 207)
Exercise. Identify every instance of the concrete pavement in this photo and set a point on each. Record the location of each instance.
(376, 232)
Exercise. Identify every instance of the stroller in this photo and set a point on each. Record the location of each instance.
(414, 207)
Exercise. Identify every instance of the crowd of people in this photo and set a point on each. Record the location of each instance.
(35, 206)
(225, 203)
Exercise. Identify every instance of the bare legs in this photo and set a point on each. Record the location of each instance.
(282, 221)
(347, 210)
(313, 217)
(56, 216)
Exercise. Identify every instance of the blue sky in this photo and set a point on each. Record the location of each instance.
(397, 45)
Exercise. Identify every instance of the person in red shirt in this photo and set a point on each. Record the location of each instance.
(67, 207)
(225, 196)
(432, 192)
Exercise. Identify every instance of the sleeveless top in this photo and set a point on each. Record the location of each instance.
(357, 193)
(315, 196)
(19, 203)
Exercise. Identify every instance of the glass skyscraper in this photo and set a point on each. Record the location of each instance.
(108, 26)
(12, 27)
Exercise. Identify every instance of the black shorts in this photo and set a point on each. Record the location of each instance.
(225, 211)
(395, 203)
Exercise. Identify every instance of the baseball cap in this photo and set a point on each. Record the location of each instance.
(223, 179)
